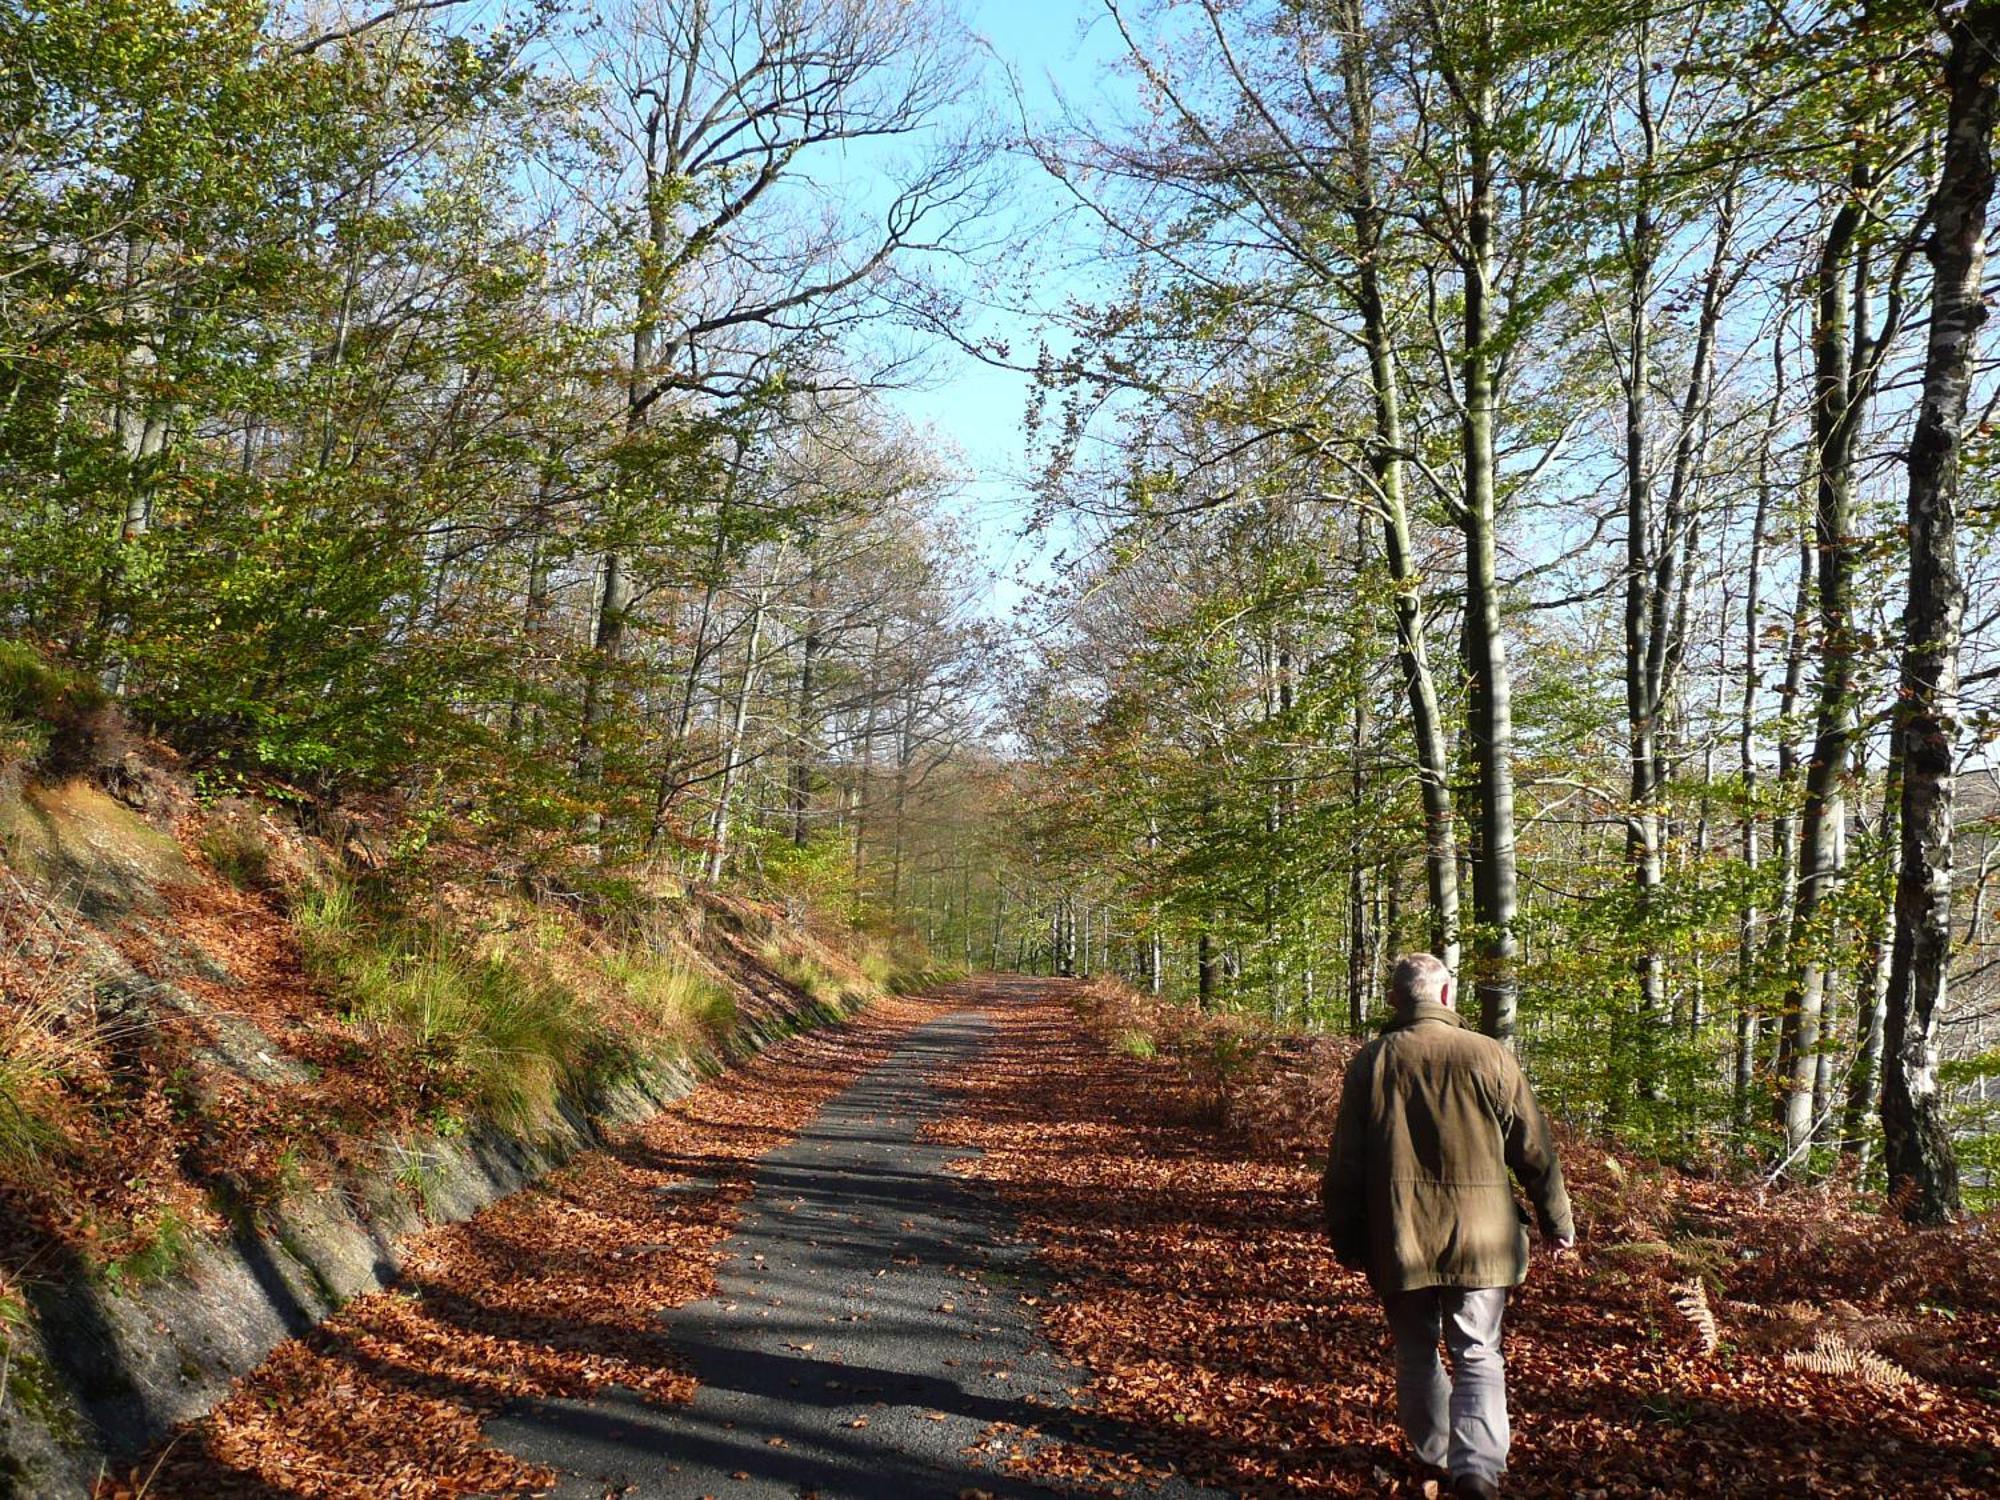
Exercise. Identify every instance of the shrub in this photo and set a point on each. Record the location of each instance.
(813, 876)
(67, 724)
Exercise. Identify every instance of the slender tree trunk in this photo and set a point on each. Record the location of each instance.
(1386, 463)
(1835, 396)
(802, 753)
(1871, 997)
(905, 752)
(732, 755)
(1642, 703)
(608, 645)
(1657, 556)
(1748, 1011)
(535, 611)
(140, 425)
(669, 784)
(615, 601)
(1357, 868)
(1490, 708)
(867, 763)
(1917, 1146)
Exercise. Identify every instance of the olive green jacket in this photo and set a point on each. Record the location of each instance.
(1432, 1117)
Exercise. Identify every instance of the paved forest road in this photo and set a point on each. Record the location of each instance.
(867, 1331)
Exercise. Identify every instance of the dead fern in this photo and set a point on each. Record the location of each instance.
(1691, 1298)
(1842, 1340)
(1831, 1354)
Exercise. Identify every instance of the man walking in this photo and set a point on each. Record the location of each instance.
(1433, 1115)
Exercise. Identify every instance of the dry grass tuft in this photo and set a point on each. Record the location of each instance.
(50, 1032)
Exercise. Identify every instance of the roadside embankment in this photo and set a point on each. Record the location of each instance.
(250, 1049)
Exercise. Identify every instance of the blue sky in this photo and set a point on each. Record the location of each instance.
(1051, 47)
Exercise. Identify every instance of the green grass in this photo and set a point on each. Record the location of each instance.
(27, 1133)
(48, 1030)
(235, 847)
(420, 1173)
(165, 1249)
(33, 1057)
(806, 974)
(1133, 1042)
(500, 1041)
(678, 996)
(896, 963)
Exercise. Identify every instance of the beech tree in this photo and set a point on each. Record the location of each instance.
(1917, 1142)
(1608, 359)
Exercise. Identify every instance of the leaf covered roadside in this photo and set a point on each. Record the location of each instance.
(1193, 1277)
(552, 1292)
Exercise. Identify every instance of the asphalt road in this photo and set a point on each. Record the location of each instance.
(868, 1338)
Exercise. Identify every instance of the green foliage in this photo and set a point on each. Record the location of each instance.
(481, 1034)
(1132, 1042)
(281, 614)
(814, 875)
(62, 720)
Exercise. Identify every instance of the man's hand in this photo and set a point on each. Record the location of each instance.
(1561, 1246)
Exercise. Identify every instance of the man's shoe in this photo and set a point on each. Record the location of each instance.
(1472, 1487)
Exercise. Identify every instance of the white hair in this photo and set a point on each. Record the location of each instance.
(1418, 978)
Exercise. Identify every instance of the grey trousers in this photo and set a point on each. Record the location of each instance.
(1460, 1423)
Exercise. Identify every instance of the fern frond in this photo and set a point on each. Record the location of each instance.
(1691, 1298)
(1833, 1355)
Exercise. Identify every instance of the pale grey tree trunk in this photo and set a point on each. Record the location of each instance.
(1917, 1146)
(1749, 1016)
(1386, 463)
(1643, 702)
(1871, 996)
(1490, 706)
(732, 758)
(1836, 399)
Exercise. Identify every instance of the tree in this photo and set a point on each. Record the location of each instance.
(1923, 1175)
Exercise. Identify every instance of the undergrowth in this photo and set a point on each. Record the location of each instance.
(897, 964)
(682, 1001)
(1804, 1257)
(486, 1035)
(50, 1033)
(808, 975)
(236, 848)
(55, 718)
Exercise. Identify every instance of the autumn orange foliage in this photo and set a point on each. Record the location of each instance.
(1174, 1200)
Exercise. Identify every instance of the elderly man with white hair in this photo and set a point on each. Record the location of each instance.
(1433, 1118)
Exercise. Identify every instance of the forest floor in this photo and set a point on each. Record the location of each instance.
(965, 1247)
